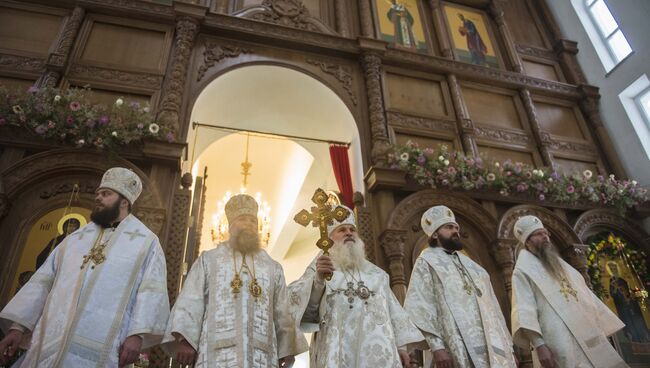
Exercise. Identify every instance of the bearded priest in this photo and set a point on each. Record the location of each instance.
(553, 310)
(100, 296)
(355, 318)
(232, 310)
(450, 298)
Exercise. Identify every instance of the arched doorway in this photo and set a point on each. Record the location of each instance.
(283, 102)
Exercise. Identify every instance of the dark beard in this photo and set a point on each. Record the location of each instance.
(452, 244)
(107, 216)
(247, 241)
(550, 258)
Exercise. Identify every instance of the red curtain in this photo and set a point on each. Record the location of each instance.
(341, 166)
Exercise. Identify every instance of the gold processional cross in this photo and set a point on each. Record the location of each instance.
(321, 216)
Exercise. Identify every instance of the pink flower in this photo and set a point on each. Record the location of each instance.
(75, 106)
(3, 121)
(170, 137)
(570, 189)
(521, 187)
(141, 126)
(70, 120)
(529, 174)
(103, 120)
(41, 129)
(51, 124)
(451, 170)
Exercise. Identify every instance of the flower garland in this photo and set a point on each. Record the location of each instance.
(454, 170)
(613, 246)
(70, 117)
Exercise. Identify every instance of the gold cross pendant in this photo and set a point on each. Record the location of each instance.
(96, 255)
(236, 284)
(567, 290)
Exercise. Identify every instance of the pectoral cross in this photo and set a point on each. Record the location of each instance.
(566, 289)
(321, 216)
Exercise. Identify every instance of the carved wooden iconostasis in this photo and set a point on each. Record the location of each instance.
(489, 78)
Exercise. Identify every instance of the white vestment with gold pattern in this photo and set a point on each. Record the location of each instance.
(470, 327)
(575, 328)
(234, 330)
(78, 317)
(355, 333)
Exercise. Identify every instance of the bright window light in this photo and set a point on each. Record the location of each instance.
(609, 31)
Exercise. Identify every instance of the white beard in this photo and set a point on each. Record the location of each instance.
(348, 255)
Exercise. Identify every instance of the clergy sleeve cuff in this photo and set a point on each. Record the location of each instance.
(17, 327)
(435, 343)
(536, 340)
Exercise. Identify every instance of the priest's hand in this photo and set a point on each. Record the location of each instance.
(286, 362)
(9, 345)
(324, 266)
(405, 358)
(185, 353)
(546, 357)
(130, 350)
(443, 359)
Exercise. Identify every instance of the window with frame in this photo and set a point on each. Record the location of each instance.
(643, 103)
(609, 31)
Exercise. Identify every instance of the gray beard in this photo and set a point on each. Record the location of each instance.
(550, 258)
(246, 241)
(348, 256)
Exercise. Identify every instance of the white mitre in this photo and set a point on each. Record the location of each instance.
(435, 217)
(350, 220)
(122, 181)
(525, 226)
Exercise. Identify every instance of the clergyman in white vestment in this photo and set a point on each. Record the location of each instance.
(356, 320)
(101, 295)
(553, 310)
(232, 311)
(450, 298)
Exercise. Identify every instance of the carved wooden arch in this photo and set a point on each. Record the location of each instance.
(461, 205)
(33, 169)
(555, 225)
(288, 13)
(349, 98)
(597, 220)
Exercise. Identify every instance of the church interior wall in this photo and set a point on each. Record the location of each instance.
(535, 107)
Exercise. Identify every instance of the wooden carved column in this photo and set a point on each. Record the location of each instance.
(576, 256)
(342, 22)
(463, 122)
(590, 106)
(175, 244)
(392, 242)
(172, 94)
(566, 53)
(504, 255)
(441, 30)
(365, 225)
(542, 139)
(365, 18)
(497, 13)
(57, 60)
(371, 63)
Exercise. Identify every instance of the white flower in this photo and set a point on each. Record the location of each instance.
(57, 98)
(446, 162)
(496, 164)
(114, 134)
(550, 180)
(81, 142)
(634, 183)
(119, 102)
(620, 191)
(587, 174)
(145, 109)
(441, 158)
(612, 176)
(404, 156)
(154, 128)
